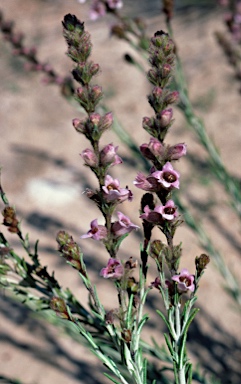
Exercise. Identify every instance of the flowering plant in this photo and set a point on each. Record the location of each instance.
(122, 326)
(115, 334)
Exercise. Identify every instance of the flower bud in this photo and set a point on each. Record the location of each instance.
(59, 307)
(201, 263)
(156, 249)
(10, 220)
(165, 117)
(146, 152)
(106, 122)
(79, 125)
(118, 30)
(177, 151)
(172, 97)
(108, 155)
(157, 92)
(94, 69)
(166, 70)
(89, 158)
(95, 119)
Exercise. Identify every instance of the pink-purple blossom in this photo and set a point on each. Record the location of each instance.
(148, 183)
(160, 213)
(89, 157)
(123, 225)
(165, 117)
(177, 151)
(185, 281)
(96, 232)
(113, 192)
(113, 270)
(97, 10)
(152, 150)
(115, 4)
(108, 155)
(167, 177)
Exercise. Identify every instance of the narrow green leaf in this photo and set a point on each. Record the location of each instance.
(182, 350)
(169, 345)
(112, 379)
(189, 373)
(191, 317)
(164, 319)
(142, 322)
(129, 318)
(144, 371)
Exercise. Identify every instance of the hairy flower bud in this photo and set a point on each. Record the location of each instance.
(106, 122)
(58, 305)
(10, 220)
(201, 263)
(79, 125)
(177, 151)
(108, 155)
(89, 158)
(172, 97)
(165, 117)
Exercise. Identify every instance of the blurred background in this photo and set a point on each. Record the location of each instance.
(43, 177)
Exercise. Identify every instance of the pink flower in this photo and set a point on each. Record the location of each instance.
(169, 211)
(156, 283)
(160, 213)
(96, 232)
(106, 122)
(167, 177)
(97, 10)
(113, 192)
(123, 225)
(154, 217)
(185, 281)
(177, 151)
(108, 156)
(113, 270)
(165, 117)
(152, 150)
(115, 4)
(89, 157)
(146, 183)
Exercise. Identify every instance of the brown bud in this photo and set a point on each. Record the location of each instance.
(126, 334)
(130, 263)
(201, 263)
(10, 219)
(59, 307)
(156, 248)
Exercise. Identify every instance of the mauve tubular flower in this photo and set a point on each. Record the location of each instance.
(160, 213)
(185, 281)
(113, 270)
(113, 192)
(156, 283)
(152, 150)
(123, 225)
(96, 232)
(97, 10)
(177, 151)
(167, 177)
(89, 157)
(108, 155)
(115, 4)
(146, 183)
(165, 117)
(169, 210)
(154, 217)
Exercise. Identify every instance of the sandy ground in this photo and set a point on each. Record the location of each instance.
(43, 176)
